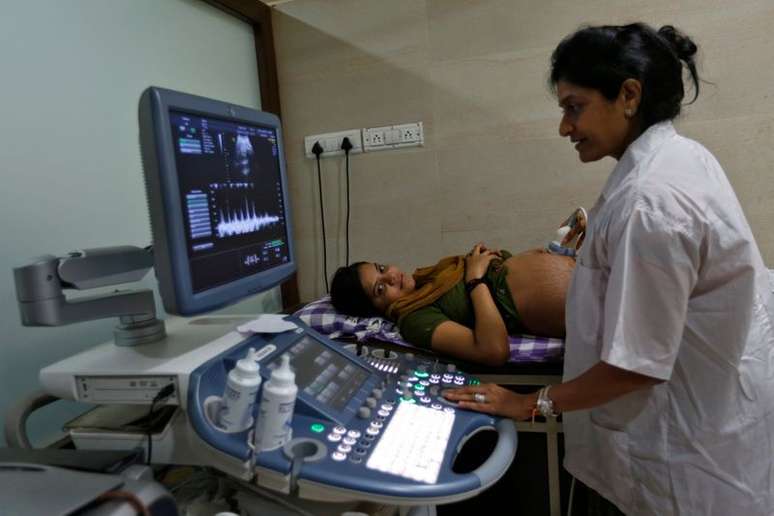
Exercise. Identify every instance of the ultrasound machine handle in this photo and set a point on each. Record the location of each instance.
(490, 471)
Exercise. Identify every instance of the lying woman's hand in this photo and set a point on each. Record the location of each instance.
(477, 261)
(493, 399)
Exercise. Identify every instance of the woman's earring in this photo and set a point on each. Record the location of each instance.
(628, 113)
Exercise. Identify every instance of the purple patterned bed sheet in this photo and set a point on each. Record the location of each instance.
(322, 317)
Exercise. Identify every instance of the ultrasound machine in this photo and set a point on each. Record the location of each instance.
(364, 428)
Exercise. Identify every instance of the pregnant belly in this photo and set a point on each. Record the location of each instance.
(539, 282)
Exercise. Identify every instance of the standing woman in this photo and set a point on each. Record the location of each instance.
(668, 389)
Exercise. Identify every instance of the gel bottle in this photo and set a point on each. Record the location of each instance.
(240, 394)
(272, 429)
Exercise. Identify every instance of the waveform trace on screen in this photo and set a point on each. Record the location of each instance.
(244, 221)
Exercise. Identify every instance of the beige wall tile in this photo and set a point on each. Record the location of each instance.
(344, 37)
(527, 185)
(394, 215)
(493, 168)
(743, 147)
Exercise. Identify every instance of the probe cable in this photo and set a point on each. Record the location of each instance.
(162, 395)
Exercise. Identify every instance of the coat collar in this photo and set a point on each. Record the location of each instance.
(639, 149)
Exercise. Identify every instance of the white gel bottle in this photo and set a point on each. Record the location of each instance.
(272, 429)
(240, 393)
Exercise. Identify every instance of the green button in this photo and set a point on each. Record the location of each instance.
(317, 428)
(419, 387)
(408, 400)
(475, 381)
(420, 374)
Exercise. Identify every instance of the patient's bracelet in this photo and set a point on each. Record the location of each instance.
(470, 285)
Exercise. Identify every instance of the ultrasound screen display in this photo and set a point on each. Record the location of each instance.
(324, 375)
(232, 198)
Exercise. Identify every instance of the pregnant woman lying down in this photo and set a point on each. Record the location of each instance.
(464, 306)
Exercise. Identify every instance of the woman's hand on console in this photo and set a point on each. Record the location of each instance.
(492, 399)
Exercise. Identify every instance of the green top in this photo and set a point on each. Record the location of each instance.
(455, 305)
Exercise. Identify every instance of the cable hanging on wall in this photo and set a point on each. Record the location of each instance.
(346, 145)
(317, 150)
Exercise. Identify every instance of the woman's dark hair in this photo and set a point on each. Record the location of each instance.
(347, 294)
(603, 57)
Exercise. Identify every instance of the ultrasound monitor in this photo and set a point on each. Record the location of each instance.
(217, 194)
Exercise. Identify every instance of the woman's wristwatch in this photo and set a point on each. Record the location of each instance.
(544, 404)
(471, 284)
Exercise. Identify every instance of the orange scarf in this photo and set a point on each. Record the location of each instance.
(431, 283)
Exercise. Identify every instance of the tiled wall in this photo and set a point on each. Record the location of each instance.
(493, 167)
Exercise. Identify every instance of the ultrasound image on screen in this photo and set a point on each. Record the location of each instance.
(324, 375)
(232, 192)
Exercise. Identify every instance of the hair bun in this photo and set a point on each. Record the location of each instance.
(680, 43)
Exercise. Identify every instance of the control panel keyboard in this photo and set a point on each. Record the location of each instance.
(414, 444)
(367, 423)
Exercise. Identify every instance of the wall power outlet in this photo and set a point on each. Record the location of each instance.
(331, 143)
(393, 137)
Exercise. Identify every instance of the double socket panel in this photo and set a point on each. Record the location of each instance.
(393, 137)
(368, 139)
(331, 143)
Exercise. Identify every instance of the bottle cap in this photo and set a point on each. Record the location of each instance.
(283, 376)
(247, 367)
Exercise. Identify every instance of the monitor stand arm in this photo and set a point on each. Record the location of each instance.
(40, 285)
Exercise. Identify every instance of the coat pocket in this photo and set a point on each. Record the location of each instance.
(586, 305)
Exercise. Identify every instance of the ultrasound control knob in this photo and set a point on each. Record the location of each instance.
(409, 357)
(377, 393)
(364, 413)
(451, 368)
(370, 402)
(407, 394)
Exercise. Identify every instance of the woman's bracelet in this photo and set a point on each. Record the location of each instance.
(544, 405)
(471, 284)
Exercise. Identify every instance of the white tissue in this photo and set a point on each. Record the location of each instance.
(267, 323)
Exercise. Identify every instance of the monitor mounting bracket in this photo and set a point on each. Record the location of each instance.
(40, 285)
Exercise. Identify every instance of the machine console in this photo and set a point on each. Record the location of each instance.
(362, 424)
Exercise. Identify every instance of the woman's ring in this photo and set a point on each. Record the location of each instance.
(479, 397)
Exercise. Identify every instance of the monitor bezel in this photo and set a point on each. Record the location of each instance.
(168, 228)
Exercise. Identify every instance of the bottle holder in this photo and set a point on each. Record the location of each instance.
(212, 407)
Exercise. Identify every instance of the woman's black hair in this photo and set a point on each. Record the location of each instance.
(603, 57)
(347, 294)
